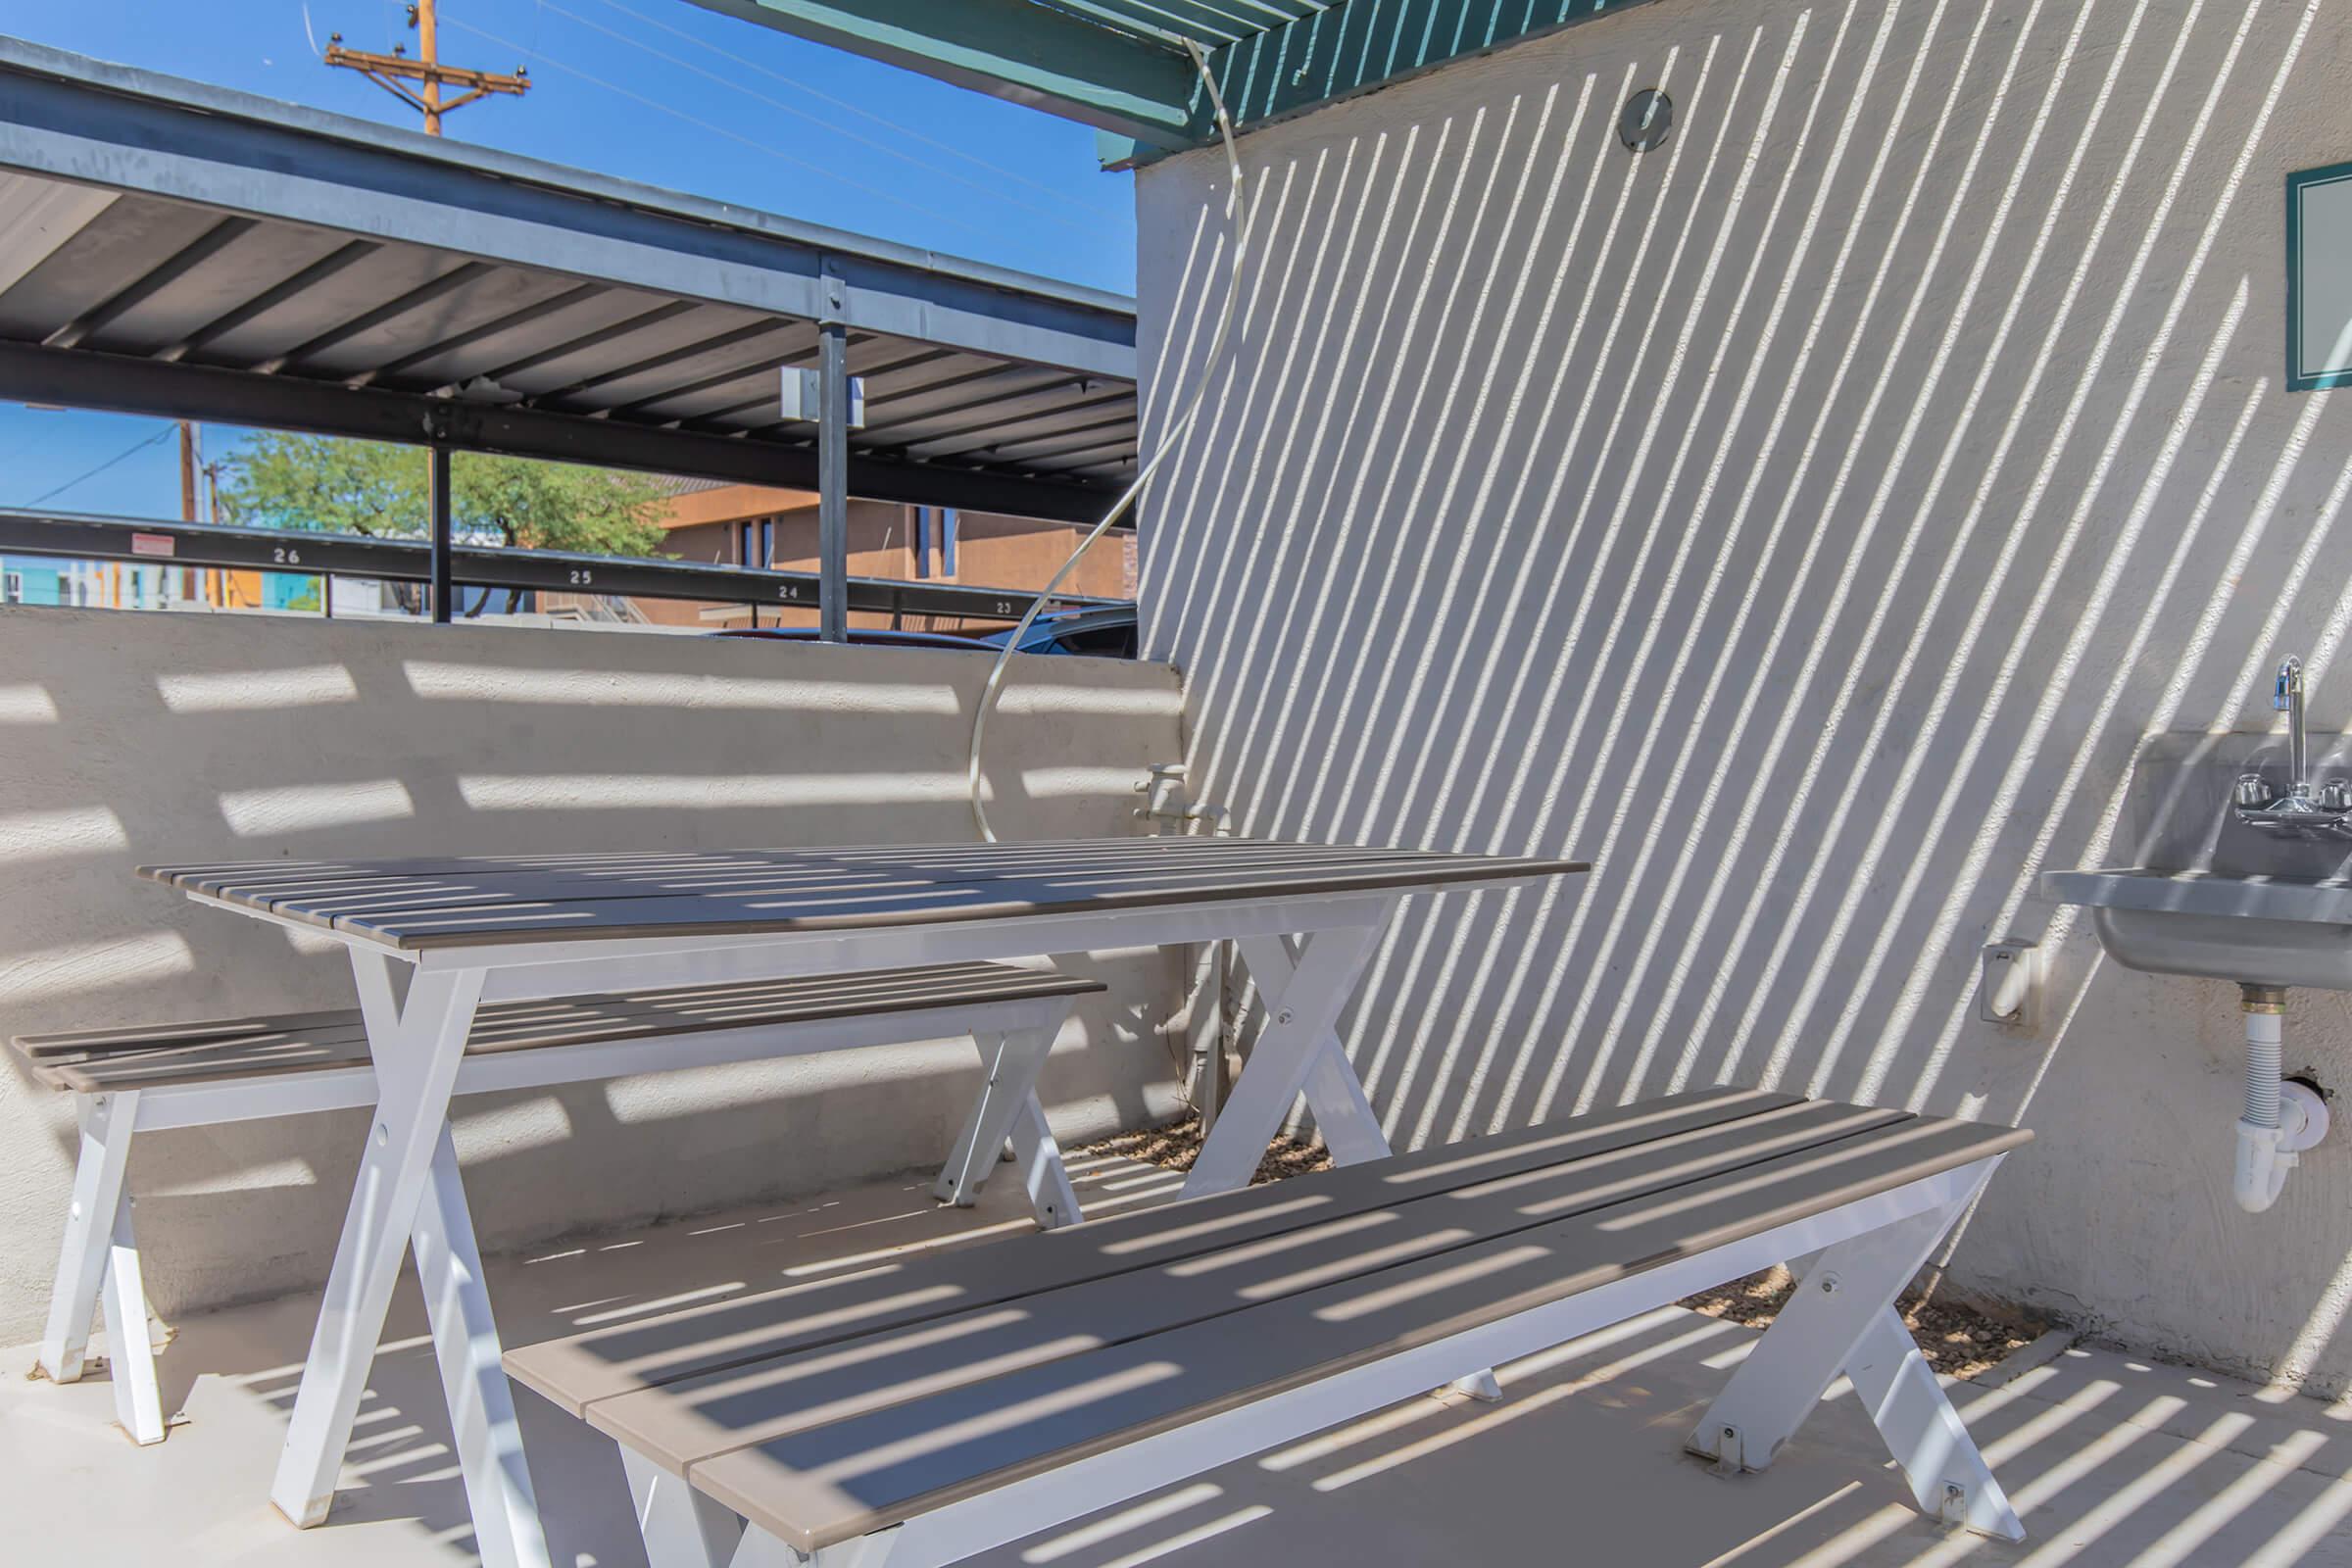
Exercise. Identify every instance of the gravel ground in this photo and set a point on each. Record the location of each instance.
(1955, 1341)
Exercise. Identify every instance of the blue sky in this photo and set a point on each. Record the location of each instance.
(657, 90)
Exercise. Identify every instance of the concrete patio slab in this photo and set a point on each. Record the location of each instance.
(2114, 1462)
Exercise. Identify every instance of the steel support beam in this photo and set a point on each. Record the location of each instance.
(82, 379)
(437, 538)
(1012, 49)
(83, 538)
(833, 483)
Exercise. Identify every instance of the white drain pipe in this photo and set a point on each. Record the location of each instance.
(2283, 1119)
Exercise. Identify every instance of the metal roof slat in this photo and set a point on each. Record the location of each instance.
(1000, 402)
(749, 332)
(392, 310)
(482, 333)
(769, 364)
(1049, 444)
(270, 298)
(186, 259)
(1005, 435)
(643, 321)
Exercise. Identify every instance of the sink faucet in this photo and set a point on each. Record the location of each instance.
(2295, 813)
(2287, 698)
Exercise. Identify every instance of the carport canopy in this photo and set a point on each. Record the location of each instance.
(173, 249)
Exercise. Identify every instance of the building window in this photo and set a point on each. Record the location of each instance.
(11, 588)
(947, 541)
(922, 541)
(755, 542)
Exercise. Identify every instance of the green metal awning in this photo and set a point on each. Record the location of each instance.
(1121, 65)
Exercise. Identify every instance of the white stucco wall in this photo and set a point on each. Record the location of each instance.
(133, 738)
(1803, 520)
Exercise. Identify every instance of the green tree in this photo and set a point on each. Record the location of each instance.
(328, 485)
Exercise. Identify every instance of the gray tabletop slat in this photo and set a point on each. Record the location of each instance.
(215, 1049)
(683, 1423)
(360, 891)
(963, 859)
(421, 904)
(846, 1478)
(577, 1371)
(934, 904)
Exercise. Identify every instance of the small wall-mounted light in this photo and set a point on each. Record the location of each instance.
(1644, 120)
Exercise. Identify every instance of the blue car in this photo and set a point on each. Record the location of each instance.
(1100, 631)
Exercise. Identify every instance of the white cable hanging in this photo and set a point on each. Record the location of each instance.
(1238, 215)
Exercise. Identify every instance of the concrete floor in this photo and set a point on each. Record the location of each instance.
(2112, 1461)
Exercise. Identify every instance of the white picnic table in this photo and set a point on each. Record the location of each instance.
(1306, 918)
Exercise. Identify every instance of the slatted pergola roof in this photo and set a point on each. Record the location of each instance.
(1123, 66)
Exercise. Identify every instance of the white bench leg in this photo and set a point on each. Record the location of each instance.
(473, 1383)
(1043, 1175)
(1842, 1318)
(130, 1353)
(1297, 1051)
(1012, 1062)
(682, 1528)
(416, 1050)
(106, 1123)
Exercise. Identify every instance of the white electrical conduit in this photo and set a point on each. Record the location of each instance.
(1237, 215)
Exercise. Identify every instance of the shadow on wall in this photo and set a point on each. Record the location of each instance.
(1803, 520)
(136, 739)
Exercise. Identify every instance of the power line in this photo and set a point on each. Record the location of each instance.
(814, 120)
(717, 131)
(846, 105)
(46, 496)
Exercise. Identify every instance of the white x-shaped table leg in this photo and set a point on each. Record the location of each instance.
(417, 1048)
(1299, 1052)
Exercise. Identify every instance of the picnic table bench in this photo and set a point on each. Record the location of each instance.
(149, 1077)
(473, 933)
(915, 1414)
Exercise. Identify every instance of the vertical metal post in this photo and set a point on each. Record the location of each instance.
(833, 470)
(439, 488)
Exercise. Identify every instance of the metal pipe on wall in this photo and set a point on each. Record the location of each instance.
(440, 503)
(833, 473)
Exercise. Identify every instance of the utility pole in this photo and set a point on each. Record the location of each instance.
(190, 578)
(395, 71)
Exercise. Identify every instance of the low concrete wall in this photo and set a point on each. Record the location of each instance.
(129, 738)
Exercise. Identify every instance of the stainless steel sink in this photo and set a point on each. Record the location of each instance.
(2256, 930)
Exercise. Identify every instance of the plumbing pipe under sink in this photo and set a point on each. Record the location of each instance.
(2283, 1119)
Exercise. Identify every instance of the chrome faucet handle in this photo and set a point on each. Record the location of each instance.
(2290, 684)
(2252, 793)
(2335, 796)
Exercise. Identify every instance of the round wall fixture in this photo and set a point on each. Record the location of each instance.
(1645, 118)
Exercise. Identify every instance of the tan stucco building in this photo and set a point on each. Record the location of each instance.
(741, 524)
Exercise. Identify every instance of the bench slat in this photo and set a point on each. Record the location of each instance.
(686, 1422)
(847, 1478)
(211, 1050)
(577, 1372)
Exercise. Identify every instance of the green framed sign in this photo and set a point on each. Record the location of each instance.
(2319, 278)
